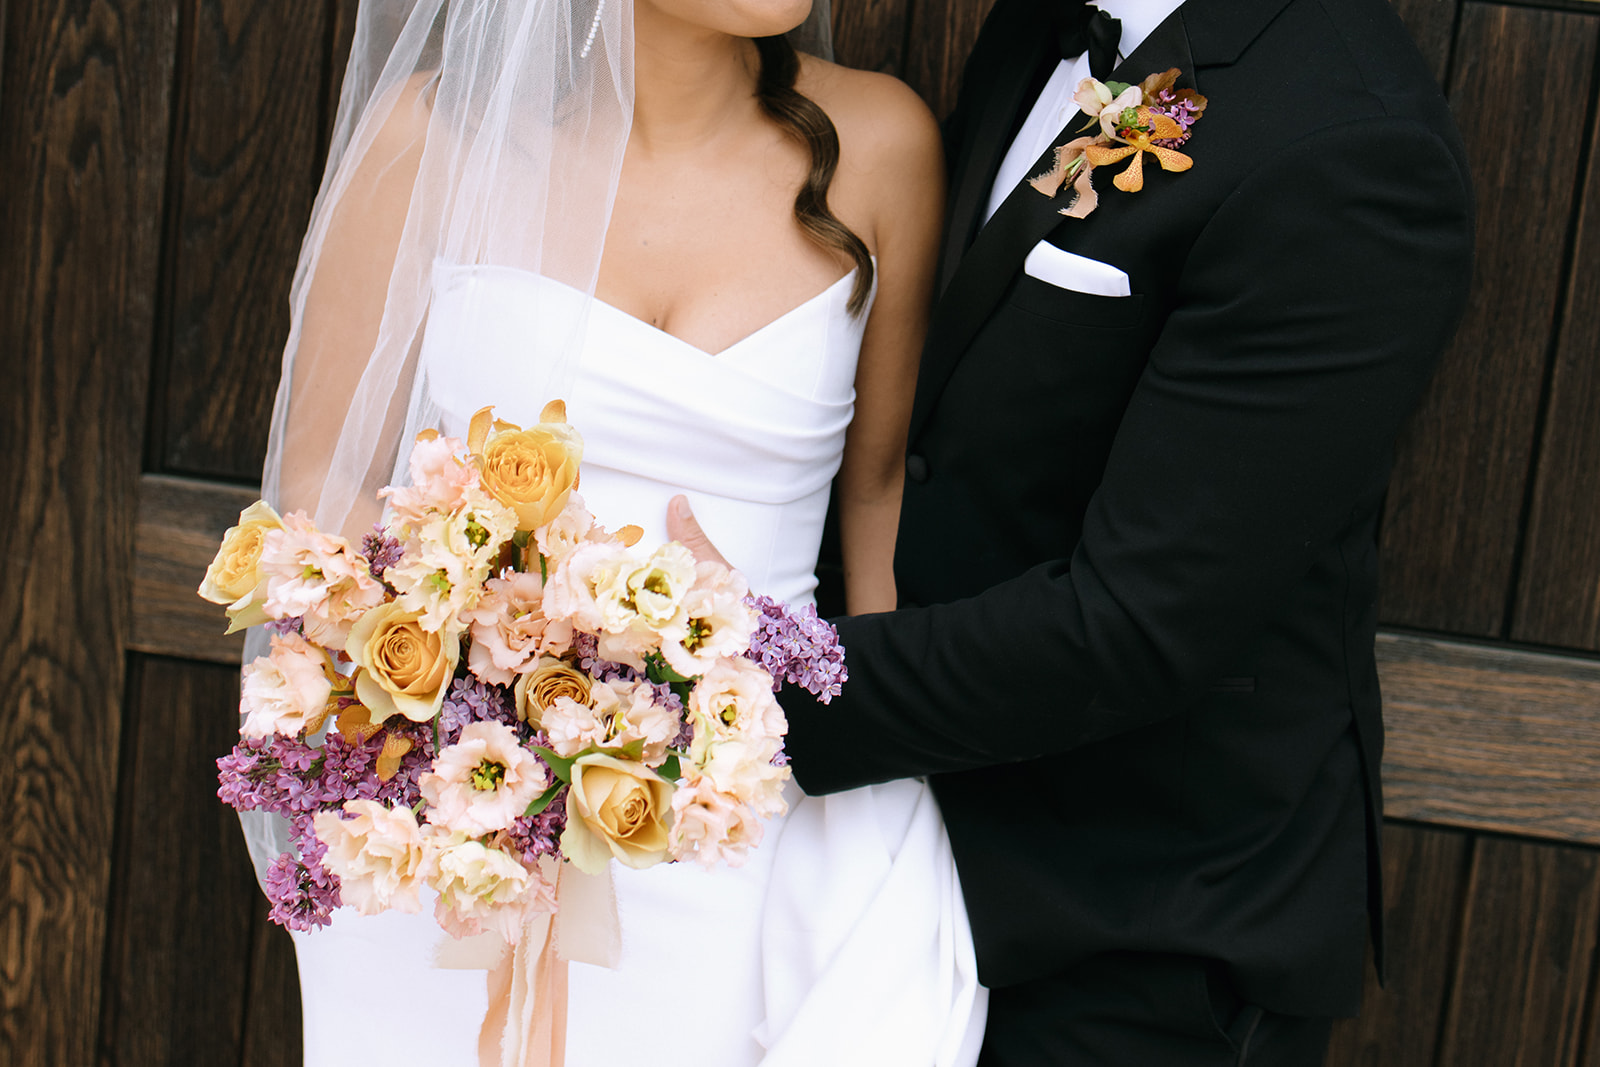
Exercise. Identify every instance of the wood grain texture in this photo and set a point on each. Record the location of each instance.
(1491, 738)
(1424, 873)
(1432, 24)
(941, 34)
(1523, 967)
(1558, 592)
(273, 1021)
(84, 114)
(245, 171)
(180, 937)
(1456, 501)
(181, 523)
(871, 34)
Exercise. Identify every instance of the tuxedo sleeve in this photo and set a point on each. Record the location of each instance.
(1309, 313)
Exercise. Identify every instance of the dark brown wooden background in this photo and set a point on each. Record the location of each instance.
(157, 163)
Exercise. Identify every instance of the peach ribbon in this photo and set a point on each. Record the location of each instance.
(526, 1024)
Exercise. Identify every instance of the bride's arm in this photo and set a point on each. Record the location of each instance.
(344, 308)
(891, 156)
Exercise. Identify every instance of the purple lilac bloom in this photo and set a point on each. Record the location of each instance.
(538, 835)
(471, 700)
(382, 551)
(303, 892)
(798, 647)
(1183, 112)
(284, 627)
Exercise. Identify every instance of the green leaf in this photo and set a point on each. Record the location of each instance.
(543, 800)
(659, 670)
(1118, 88)
(671, 770)
(560, 766)
(544, 568)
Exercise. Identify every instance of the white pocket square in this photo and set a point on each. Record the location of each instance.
(1064, 270)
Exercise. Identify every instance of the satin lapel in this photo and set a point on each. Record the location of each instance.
(996, 255)
(980, 159)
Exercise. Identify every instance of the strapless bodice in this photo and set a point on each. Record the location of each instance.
(752, 435)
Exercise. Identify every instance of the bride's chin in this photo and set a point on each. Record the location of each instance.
(737, 18)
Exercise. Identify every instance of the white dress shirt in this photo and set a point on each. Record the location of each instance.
(1055, 104)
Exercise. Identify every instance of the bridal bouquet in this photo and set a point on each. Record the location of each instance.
(492, 683)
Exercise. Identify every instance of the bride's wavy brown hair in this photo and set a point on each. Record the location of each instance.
(802, 118)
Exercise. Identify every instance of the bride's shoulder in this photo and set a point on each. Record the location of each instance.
(883, 125)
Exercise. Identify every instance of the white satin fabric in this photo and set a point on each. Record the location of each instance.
(843, 940)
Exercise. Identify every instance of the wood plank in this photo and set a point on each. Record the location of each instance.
(273, 1021)
(871, 34)
(244, 177)
(1523, 971)
(1432, 24)
(1491, 738)
(1424, 875)
(1558, 594)
(181, 934)
(940, 36)
(83, 141)
(1456, 501)
(181, 523)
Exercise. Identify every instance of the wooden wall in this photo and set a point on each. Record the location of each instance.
(157, 162)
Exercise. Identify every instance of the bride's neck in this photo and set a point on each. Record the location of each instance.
(691, 84)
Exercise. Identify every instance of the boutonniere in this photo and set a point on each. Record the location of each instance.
(1135, 120)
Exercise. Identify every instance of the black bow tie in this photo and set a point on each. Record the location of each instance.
(1081, 28)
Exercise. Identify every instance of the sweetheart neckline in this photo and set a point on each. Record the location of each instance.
(758, 331)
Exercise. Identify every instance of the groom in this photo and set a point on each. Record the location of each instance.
(1146, 460)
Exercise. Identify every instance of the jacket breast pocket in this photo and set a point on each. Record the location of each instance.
(1072, 308)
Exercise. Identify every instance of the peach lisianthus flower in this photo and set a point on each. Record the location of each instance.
(235, 577)
(482, 888)
(318, 578)
(633, 716)
(743, 768)
(378, 854)
(574, 526)
(712, 826)
(287, 690)
(509, 629)
(589, 587)
(447, 559)
(439, 480)
(572, 726)
(483, 782)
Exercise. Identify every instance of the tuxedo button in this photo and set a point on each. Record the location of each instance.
(916, 468)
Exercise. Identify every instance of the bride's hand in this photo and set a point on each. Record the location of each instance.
(683, 528)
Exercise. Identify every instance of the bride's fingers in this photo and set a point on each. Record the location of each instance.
(683, 528)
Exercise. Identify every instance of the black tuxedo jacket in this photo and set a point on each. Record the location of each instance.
(1137, 543)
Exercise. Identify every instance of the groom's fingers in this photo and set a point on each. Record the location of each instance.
(683, 528)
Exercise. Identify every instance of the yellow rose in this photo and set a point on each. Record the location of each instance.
(404, 669)
(530, 471)
(616, 808)
(234, 577)
(537, 690)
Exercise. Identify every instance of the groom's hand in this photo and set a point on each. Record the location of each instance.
(683, 528)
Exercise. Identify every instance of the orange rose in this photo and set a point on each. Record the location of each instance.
(530, 471)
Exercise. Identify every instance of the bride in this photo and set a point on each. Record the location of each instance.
(720, 252)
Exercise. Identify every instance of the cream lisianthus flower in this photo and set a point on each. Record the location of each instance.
(483, 888)
(656, 587)
(717, 622)
(287, 690)
(377, 852)
(402, 668)
(636, 718)
(734, 699)
(483, 782)
(589, 587)
(530, 471)
(616, 808)
(743, 768)
(235, 577)
(538, 690)
(447, 560)
(572, 726)
(712, 826)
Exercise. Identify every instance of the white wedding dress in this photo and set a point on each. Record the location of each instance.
(843, 940)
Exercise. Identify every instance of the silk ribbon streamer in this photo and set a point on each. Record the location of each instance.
(526, 1024)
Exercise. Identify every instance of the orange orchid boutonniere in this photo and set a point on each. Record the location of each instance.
(1135, 120)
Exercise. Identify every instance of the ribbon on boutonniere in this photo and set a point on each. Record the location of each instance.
(1135, 120)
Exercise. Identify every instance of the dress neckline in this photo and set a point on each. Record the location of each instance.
(747, 338)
